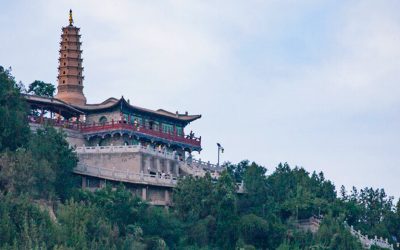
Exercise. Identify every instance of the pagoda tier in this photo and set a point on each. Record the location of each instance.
(70, 78)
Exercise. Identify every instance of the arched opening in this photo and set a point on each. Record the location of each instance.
(102, 142)
(103, 119)
(105, 141)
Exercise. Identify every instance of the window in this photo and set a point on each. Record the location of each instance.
(179, 131)
(167, 128)
(156, 126)
(65, 64)
(64, 72)
(63, 81)
(65, 55)
(103, 120)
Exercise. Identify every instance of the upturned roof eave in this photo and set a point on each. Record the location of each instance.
(113, 102)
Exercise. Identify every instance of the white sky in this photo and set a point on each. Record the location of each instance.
(312, 83)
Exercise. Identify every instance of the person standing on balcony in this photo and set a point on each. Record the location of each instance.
(136, 124)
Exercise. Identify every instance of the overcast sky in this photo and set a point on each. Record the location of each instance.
(312, 83)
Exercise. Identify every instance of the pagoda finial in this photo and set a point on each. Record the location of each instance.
(71, 21)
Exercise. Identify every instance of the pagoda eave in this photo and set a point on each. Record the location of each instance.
(68, 50)
(71, 76)
(70, 58)
(70, 66)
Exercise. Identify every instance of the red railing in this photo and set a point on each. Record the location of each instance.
(115, 125)
(54, 122)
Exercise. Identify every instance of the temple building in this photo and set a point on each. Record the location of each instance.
(116, 141)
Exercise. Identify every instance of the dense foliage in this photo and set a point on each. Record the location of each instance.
(41, 88)
(42, 207)
(13, 124)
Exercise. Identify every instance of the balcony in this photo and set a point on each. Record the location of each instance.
(54, 122)
(91, 129)
(126, 176)
(123, 125)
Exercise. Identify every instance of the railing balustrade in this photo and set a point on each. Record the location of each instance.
(129, 176)
(366, 242)
(126, 176)
(205, 165)
(87, 128)
(196, 167)
(54, 122)
(127, 148)
(116, 125)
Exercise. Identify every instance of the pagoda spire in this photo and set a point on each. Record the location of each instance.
(70, 78)
(71, 20)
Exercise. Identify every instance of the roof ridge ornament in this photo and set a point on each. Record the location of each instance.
(71, 21)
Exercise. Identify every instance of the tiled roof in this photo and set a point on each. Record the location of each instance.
(50, 101)
(112, 102)
(109, 103)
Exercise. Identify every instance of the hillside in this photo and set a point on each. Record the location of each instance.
(42, 206)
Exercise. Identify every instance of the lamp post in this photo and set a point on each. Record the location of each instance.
(220, 149)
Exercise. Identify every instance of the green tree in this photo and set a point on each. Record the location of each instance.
(14, 129)
(193, 198)
(49, 147)
(333, 235)
(256, 196)
(202, 232)
(19, 172)
(43, 169)
(23, 225)
(298, 194)
(237, 170)
(118, 205)
(226, 211)
(254, 230)
(41, 88)
(156, 222)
